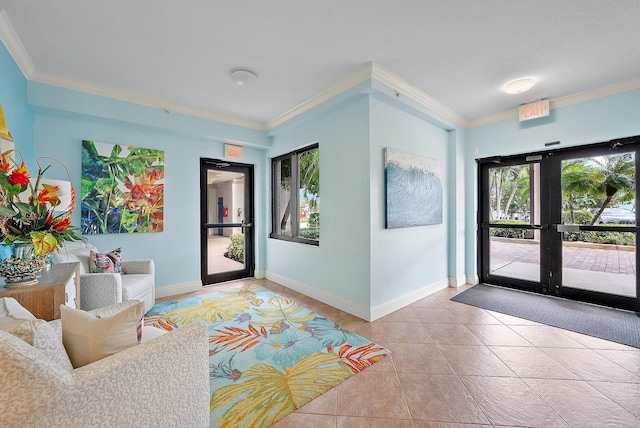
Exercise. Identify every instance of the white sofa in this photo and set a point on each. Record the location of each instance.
(102, 289)
(163, 382)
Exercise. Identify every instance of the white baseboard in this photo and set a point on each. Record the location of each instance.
(400, 302)
(357, 309)
(353, 308)
(172, 290)
(472, 279)
(258, 274)
(457, 281)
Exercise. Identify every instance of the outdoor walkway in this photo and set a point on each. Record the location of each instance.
(607, 269)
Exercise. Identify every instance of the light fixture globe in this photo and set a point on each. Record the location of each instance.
(243, 77)
(519, 86)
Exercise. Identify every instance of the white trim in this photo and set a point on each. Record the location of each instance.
(175, 289)
(402, 301)
(458, 281)
(406, 89)
(353, 308)
(369, 71)
(15, 47)
(472, 279)
(104, 91)
(351, 80)
(581, 97)
(259, 274)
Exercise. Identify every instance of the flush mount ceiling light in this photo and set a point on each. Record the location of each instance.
(243, 77)
(519, 86)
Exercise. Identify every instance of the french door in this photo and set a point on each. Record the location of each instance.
(226, 215)
(563, 222)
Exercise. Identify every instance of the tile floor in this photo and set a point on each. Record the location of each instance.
(455, 365)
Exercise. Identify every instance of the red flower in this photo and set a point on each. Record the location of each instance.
(20, 176)
(62, 225)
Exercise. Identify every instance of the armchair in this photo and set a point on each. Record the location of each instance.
(163, 382)
(103, 289)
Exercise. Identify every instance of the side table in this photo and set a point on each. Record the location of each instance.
(57, 285)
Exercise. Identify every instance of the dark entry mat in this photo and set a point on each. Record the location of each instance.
(598, 321)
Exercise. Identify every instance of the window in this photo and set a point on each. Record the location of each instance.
(296, 196)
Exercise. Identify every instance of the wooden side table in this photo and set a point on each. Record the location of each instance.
(57, 285)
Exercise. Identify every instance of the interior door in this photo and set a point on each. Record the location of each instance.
(226, 206)
(563, 223)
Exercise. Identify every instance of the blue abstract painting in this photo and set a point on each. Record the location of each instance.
(414, 190)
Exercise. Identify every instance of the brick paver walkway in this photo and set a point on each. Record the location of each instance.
(589, 259)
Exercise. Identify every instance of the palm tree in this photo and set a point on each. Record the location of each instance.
(616, 173)
(578, 179)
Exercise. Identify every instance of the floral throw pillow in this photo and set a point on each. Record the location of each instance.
(106, 263)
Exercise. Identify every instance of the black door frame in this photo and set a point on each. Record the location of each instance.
(207, 164)
(550, 218)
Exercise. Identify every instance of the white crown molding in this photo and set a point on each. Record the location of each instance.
(408, 90)
(14, 46)
(104, 91)
(581, 97)
(351, 80)
(604, 91)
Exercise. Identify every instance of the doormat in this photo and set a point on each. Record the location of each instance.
(268, 355)
(598, 321)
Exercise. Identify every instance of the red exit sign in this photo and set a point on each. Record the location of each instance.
(534, 110)
(232, 151)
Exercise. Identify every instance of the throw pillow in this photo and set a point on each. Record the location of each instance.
(88, 338)
(105, 263)
(10, 307)
(47, 341)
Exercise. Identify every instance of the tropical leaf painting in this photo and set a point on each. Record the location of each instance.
(268, 355)
(122, 189)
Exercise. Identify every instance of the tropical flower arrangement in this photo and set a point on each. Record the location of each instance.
(29, 209)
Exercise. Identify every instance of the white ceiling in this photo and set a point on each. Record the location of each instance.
(459, 52)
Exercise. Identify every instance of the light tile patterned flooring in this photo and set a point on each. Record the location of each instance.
(455, 365)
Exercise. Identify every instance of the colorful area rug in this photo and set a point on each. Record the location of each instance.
(267, 354)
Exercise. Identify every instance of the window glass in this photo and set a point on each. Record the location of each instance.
(296, 215)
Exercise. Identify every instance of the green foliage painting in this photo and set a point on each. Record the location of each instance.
(122, 189)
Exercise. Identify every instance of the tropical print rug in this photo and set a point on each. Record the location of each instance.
(267, 354)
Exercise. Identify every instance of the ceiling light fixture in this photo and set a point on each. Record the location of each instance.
(243, 77)
(519, 86)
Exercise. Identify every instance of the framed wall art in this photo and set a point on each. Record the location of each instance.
(414, 193)
(122, 189)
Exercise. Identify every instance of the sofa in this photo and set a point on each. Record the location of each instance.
(162, 382)
(137, 282)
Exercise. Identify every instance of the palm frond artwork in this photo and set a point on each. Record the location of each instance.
(268, 355)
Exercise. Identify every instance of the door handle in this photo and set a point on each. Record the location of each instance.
(246, 225)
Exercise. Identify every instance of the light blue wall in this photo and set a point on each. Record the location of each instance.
(63, 118)
(13, 91)
(404, 260)
(588, 122)
(340, 265)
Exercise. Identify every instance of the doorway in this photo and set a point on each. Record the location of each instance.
(563, 222)
(226, 207)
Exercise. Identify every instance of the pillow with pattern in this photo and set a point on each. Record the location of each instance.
(106, 263)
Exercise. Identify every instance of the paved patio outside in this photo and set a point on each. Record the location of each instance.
(608, 269)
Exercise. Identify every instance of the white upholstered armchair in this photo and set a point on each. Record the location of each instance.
(103, 289)
(163, 382)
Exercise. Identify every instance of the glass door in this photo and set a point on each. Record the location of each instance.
(512, 228)
(597, 229)
(563, 223)
(226, 201)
